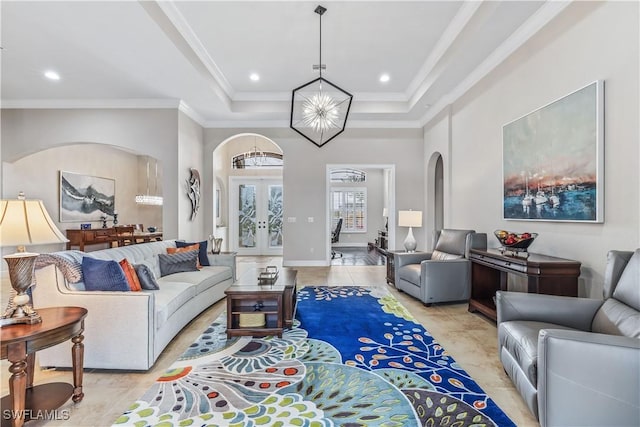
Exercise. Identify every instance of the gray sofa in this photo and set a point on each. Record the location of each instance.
(129, 330)
(576, 361)
(444, 274)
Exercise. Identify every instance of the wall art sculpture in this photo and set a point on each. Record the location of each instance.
(193, 191)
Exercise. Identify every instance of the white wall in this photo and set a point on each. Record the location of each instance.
(587, 42)
(305, 179)
(138, 131)
(190, 155)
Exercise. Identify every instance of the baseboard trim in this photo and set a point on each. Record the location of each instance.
(305, 263)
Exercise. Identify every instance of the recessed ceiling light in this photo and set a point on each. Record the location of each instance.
(384, 78)
(52, 75)
(254, 77)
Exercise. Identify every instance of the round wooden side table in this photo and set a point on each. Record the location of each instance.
(19, 345)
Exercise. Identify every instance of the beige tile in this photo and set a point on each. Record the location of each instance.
(471, 340)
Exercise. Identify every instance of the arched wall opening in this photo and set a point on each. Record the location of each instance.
(224, 173)
(38, 175)
(435, 195)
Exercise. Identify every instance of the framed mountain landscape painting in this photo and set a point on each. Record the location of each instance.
(85, 197)
(553, 160)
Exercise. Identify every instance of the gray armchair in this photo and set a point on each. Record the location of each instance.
(443, 274)
(576, 361)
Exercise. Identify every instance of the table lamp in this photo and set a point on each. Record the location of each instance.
(410, 219)
(24, 222)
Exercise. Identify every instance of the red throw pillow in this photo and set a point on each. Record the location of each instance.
(194, 247)
(131, 275)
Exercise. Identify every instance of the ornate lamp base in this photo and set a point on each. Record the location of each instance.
(19, 309)
(410, 242)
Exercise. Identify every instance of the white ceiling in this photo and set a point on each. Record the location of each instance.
(198, 55)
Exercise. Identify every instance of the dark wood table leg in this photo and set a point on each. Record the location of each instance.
(17, 355)
(31, 363)
(77, 354)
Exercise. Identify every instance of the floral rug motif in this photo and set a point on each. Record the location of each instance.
(354, 357)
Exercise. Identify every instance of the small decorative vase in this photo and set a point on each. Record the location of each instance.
(115, 219)
(216, 244)
(104, 221)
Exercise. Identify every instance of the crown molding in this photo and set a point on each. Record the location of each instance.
(425, 77)
(547, 12)
(89, 103)
(169, 19)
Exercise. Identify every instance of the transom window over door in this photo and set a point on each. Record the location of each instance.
(350, 204)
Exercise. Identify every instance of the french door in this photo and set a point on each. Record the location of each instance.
(256, 215)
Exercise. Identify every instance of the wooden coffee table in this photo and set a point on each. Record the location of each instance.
(275, 304)
(19, 345)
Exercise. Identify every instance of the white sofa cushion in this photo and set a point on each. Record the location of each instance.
(170, 298)
(203, 279)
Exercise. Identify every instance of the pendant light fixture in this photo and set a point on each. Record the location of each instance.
(255, 157)
(147, 199)
(319, 109)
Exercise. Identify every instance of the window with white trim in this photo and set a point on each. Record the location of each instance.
(350, 204)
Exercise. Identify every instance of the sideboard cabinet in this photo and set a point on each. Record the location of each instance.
(544, 275)
(97, 236)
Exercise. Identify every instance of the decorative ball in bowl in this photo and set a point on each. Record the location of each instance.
(151, 229)
(515, 241)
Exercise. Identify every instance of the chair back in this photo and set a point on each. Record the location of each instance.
(450, 244)
(124, 234)
(125, 229)
(620, 312)
(335, 234)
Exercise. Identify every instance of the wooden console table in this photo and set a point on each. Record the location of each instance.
(545, 275)
(19, 345)
(276, 302)
(92, 236)
(101, 236)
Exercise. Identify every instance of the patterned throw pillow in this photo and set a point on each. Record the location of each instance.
(146, 277)
(192, 247)
(178, 262)
(101, 275)
(202, 254)
(130, 274)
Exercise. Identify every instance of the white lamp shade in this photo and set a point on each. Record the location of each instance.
(26, 222)
(410, 218)
(385, 212)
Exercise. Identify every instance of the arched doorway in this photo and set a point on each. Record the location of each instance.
(248, 198)
(435, 193)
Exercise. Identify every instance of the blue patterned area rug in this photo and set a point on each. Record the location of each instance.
(355, 357)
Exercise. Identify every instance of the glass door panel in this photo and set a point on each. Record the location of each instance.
(275, 216)
(247, 216)
(256, 223)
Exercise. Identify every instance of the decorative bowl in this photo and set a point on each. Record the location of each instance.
(517, 242)
(151, 229)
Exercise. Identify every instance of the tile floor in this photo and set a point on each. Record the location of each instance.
(469, 338)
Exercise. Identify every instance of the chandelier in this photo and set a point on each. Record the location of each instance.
(319, 109)
(254, 157)
(147, 199)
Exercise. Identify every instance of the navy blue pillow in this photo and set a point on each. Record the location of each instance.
(146, 278)
(202, 254)
(102, 275)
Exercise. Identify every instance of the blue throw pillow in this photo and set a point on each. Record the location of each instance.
(178, 262)
(202, 254)
(102, 275)
(146, 277)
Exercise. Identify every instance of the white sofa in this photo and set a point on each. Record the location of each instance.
(129, 330)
